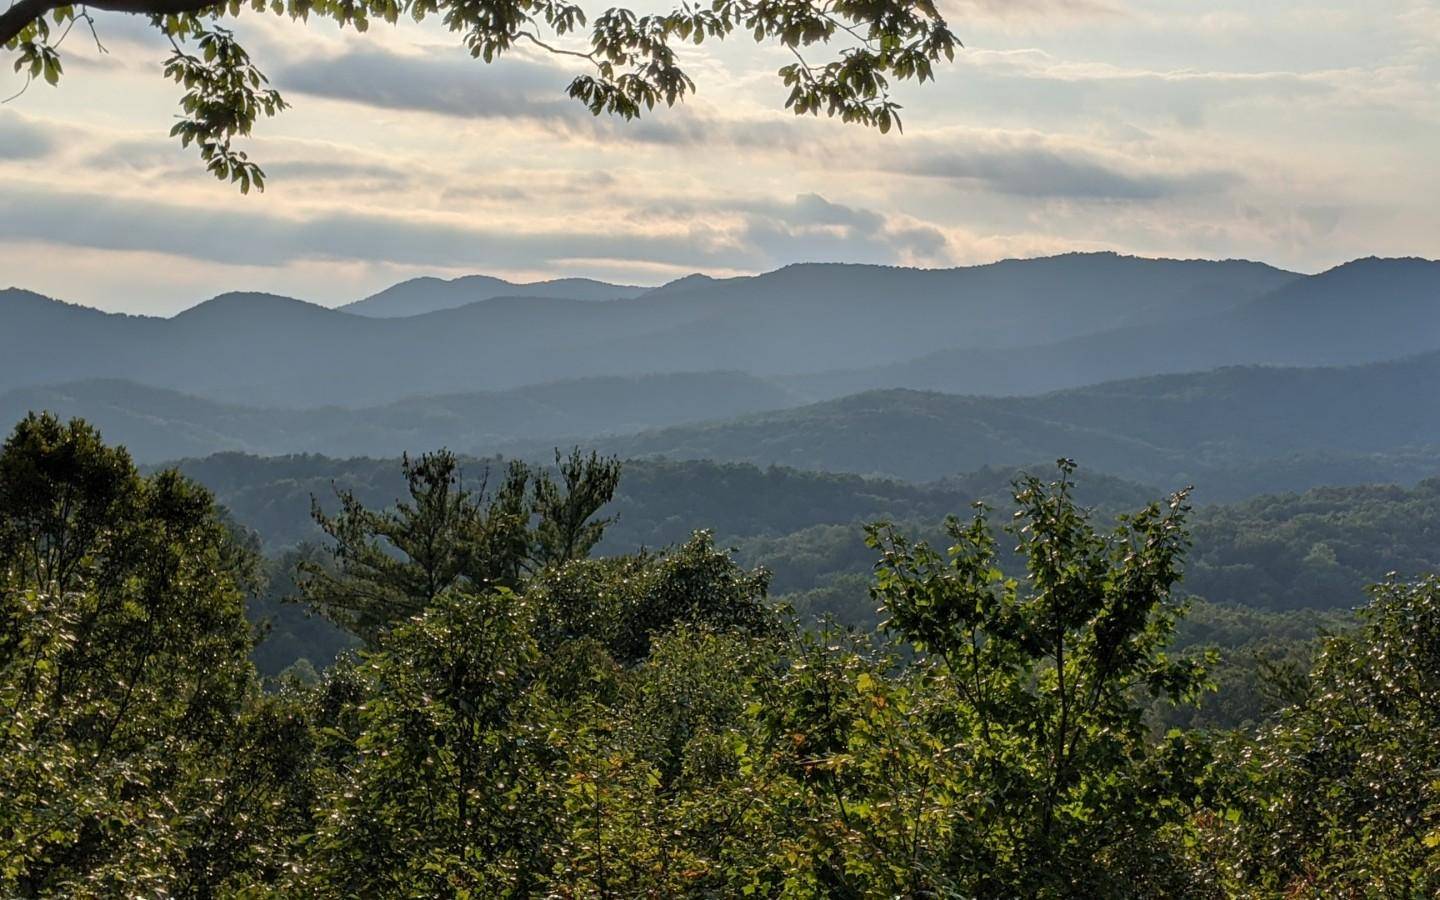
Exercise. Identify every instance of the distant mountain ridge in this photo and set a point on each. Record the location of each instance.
(1233, 431)
(1223, 428)
(424, 295)
(1365, 311)
(801, 320)
(157, 424)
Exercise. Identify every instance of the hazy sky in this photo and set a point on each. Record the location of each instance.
(1300, 132)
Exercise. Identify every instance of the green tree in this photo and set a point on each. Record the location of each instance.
(623, 602)
(629, 61)
(390, 565)
(1340, 797)
(436, 792)
(501, 741)
(123, 667)
(1046, 681)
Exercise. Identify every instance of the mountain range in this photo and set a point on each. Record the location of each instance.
(1235, 375)
(159, 424)
(1233, 431)
(424, 295)
(803, 320)
(1225, 430)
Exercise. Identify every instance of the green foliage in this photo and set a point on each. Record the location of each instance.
(391, 565)
(631, 59)
(122, 672)
(500, 742)
(435, 795)
(622, 602)
(1318, 549)
(1047, 682)
(224, 95)
(1340, 796)
(527, 721)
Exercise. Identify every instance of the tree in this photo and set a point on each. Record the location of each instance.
(499, 741)
(123, 669)
(391, 565)
(1339, 796)
(439, 788)
(624, 602)
(630, 60)
(1062, 789)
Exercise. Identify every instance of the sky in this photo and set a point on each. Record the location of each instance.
(1298, 132)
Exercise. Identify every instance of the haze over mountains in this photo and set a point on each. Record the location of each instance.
(804, 319)
(158, 424)
(1235, 431)
(910, 373)
(422, 295)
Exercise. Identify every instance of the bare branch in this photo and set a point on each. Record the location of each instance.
(561, 51)
(20, 93)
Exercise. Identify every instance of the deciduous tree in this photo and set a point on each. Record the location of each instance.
(628, 62)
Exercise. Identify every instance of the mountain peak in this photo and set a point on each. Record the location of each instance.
(1368, 265)
(233, 304)
(19, 300)
(15, 296)
(427, 294)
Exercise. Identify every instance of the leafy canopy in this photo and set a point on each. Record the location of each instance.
(123, 669)
(535, 722)
(629, 61)
(390, 565)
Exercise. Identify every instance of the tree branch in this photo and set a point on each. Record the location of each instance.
(20, 14)
(23, 12)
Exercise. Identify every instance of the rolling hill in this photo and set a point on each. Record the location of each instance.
(1316, 549)
(1233, 432)
(1223, 430)
(158, 424)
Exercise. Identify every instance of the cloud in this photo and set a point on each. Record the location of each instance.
(1020, 166)
(517, 89)
(755, 236)
(512, 88)
(114, 223)
(814, 229)
(353, 175)
(21, 138)
(1045, 12)
(287, 164)
(1033, 84)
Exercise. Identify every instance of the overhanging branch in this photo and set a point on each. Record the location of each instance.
(23, 12)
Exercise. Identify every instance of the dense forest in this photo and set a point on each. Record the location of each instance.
(1314, 550)
(526, 711)
(723, 449)
(813, 614)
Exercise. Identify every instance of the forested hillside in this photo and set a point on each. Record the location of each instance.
(1232, 433)
(159, 424)
(1225, 431)
(528, 718)
(658, 503)
(1317, 549)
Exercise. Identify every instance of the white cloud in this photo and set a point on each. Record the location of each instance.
(1299, 133)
